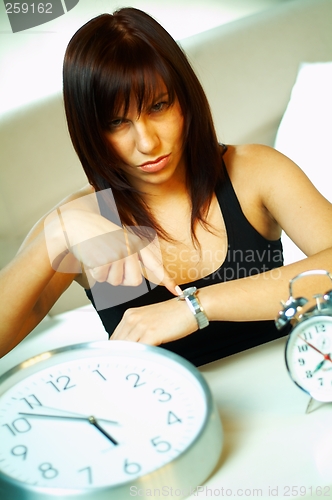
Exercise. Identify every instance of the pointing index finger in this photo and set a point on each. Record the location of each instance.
(156, 272)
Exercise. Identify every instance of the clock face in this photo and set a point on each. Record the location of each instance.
(92, 417)
(309, 356)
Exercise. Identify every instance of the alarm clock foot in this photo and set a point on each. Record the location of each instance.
(313, 405)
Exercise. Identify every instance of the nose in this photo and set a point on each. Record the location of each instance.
(146, 136)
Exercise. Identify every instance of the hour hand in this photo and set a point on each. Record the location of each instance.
(319, 366)
(95, 423)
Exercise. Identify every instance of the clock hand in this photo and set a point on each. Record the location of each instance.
(66, 417)
(328, 369)
(94, 422)
(326, 356)
(319, 366)
(67, 412)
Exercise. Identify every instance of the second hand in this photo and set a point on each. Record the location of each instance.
(326, 356)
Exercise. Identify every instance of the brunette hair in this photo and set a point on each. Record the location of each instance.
(107, 60)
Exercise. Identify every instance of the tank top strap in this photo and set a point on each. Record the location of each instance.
(241, 235)
(229, 206)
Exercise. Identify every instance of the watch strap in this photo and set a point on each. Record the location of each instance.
(189, 295)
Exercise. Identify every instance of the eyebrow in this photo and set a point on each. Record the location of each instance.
(160, 96)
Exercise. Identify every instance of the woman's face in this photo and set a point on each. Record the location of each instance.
(150, 144)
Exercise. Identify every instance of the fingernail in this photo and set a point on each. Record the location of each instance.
(178, 290)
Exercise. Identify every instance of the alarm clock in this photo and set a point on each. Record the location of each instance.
(105, 420)
(308, 351)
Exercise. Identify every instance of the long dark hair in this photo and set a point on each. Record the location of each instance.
(107, 60)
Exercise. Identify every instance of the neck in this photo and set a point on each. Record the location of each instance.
(155, 193)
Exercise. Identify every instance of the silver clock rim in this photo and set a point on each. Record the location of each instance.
(188, 470)
(290, 341)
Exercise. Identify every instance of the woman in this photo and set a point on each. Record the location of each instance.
(161, 185)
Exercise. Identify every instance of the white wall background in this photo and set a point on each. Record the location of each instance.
(31, 60)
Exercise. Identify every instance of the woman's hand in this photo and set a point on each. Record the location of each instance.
(156, 324)
(105, 251)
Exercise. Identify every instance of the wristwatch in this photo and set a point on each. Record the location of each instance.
(189, 295)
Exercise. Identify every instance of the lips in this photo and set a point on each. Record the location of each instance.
(156, 165)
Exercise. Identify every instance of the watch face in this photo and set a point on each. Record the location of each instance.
(102, 415)
(309, 356)
(189, 291)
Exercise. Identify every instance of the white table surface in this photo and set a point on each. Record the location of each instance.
(272, 447)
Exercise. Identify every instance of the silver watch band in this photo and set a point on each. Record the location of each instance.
(189, 295)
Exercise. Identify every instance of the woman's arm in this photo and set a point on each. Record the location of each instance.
(291, 201)
(29, 287)
(73, 241)
(276, 194)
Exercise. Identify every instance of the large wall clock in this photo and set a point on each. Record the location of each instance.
(105, 420)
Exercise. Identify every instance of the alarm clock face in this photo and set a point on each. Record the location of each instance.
(309, 356)
(98, 417)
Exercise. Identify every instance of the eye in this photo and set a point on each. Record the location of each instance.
(117, 123)
(159, 106)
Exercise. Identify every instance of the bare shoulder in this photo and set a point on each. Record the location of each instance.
(273, 191)
(84, 191)
(267, 185)
(256, 157)
(249, 166)
(38, 227)
(262, 170)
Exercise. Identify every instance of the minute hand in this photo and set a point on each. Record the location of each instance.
(66, 417)
(92, 420)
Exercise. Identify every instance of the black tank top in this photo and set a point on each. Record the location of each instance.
(248, 253)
